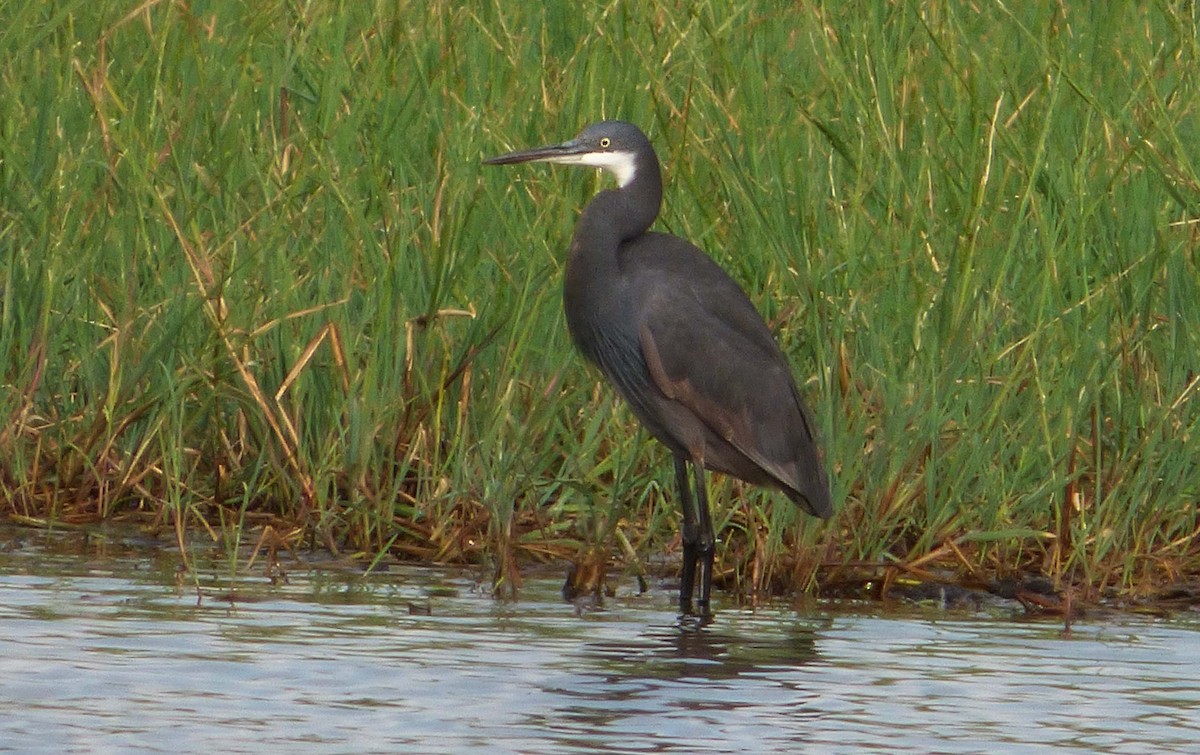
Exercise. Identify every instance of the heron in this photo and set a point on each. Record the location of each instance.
(682, 343)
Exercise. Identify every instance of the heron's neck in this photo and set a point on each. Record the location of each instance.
(617, 215)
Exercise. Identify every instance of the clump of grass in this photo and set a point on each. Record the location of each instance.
(255, 274)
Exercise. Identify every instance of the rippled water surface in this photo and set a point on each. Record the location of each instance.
(109, 652)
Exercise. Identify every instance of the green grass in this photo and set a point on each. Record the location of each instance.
(254, 272)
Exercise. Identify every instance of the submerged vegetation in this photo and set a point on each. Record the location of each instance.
(255, 282)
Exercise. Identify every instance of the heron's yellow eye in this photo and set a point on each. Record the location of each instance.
(604, 142)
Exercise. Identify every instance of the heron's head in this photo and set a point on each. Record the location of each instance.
(615, 146)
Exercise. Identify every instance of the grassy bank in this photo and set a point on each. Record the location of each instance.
(255, 274)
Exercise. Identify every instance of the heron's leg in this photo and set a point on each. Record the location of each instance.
(691, 534)
(706, 543)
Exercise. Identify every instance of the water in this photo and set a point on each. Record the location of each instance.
(108, 652)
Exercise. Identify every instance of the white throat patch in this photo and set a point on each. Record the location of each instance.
(620, 164)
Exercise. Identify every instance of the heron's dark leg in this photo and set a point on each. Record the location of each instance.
(699, 544)
(691, 536)
(706, 544)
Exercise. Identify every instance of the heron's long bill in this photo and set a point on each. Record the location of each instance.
(620, 163)
(567, 152)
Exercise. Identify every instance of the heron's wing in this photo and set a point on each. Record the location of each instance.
(707, 348)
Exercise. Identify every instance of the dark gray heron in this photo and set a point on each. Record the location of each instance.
(682, 343)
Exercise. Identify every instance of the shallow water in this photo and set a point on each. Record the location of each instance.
(106, 651)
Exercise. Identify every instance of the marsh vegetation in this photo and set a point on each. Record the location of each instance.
(254, 276)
